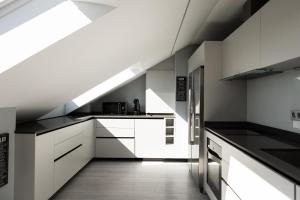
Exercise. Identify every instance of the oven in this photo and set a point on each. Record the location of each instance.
(214, 160)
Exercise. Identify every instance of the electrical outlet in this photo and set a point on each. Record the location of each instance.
(295, 115)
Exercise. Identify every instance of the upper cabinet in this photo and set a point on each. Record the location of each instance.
(280, 31)
(268, 39)
(160, 91)
(241, 50)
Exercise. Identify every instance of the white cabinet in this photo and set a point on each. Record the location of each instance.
(114, 132)
(228, 193)
(297, 192)
(229, 56)
(115, 123)
(160, 91)
(67, 166)
(44, 163)
(241, 50)
(44, 167)
(115, 138)
(252, 180)
(115, 148)
(280, 30)
(89, 142)
(34, 167)
(150, 138)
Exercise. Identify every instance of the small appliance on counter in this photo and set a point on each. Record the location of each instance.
(137, 107)
(114, 108)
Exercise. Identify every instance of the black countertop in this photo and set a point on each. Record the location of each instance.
(40, 127)
(277, 149)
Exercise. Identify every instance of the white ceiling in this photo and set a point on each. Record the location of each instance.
(139, 32)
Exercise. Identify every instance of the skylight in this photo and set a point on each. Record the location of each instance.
(40, 32)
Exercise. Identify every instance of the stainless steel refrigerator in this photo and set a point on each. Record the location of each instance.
(196, 124)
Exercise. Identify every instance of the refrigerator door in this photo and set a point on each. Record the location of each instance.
(197, 126)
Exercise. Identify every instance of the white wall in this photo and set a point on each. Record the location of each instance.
(8, 125)
(127, 93)
(270, 100)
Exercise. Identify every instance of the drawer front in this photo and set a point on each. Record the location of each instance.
(252, 180)
(115, 148)
(63, 134)
(64, 147)
(66, 167)
(115, 123)
(114, 132)
(227, 193)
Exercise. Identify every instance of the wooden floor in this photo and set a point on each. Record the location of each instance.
(111, 180)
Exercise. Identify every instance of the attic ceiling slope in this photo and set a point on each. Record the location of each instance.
(139, 31)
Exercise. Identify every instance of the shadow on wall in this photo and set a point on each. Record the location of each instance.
(39, 24)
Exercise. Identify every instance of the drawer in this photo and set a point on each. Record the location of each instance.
(66, 167)
(115, 148)
(64, 147)
(115, 123)
(63, 134)
(228, 193)
(250, 179)
(114, 132)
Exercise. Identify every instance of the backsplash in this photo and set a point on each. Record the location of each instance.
(270, 99)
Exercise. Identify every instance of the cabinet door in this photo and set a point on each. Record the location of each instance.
(89, 141)
(67, 166)
(160, 92)
(241, 50)
(115, 148)
(227, 193)
(280, 30)
(229, 56)
(150, 138)
(44, 167)
(250, 179)
(248, 42)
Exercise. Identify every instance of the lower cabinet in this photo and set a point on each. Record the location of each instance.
(44, 163)
(250, 179)
(67, 166)
(228, 193)
(150, 138)
(115, 148)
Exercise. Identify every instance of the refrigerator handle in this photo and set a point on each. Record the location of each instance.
(193, 128)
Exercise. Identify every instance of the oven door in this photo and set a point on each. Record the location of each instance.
(214, 173)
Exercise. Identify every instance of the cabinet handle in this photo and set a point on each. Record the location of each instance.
(60, 157)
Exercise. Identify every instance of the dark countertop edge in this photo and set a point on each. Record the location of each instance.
(84, 120)
(254, 156)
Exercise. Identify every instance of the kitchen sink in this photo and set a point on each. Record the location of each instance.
(291, 156)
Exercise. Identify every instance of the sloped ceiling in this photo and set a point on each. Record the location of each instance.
(138, 31)
(135, 33)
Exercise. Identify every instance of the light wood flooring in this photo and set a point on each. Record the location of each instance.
(112, 180)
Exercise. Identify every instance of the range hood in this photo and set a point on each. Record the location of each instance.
(255, 74)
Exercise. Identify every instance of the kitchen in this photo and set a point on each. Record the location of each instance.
(217, 119)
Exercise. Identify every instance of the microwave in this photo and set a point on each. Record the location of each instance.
(114, 108)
